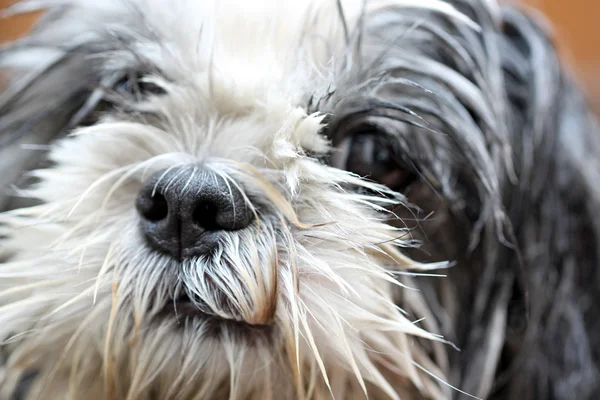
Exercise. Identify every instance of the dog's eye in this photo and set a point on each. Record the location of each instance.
(134, 84)
(371, 155)
(118, 92)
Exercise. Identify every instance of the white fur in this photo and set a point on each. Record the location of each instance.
(82, 288)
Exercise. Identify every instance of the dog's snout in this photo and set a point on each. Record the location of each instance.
(184, 210)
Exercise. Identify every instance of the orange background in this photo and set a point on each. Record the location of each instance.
(575, 21)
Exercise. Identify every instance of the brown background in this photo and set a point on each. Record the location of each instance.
(576, 25)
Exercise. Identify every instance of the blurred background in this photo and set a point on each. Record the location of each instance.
(575, 23)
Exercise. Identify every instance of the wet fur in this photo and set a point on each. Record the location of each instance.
(507, 152)
(505, 148)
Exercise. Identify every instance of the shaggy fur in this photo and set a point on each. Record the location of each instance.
(461, 106)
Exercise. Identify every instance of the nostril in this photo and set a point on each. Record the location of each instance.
(157, 208)
(205, 215)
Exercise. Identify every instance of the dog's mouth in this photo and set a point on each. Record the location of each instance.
(185, 307)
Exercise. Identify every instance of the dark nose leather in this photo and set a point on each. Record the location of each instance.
(185, 210)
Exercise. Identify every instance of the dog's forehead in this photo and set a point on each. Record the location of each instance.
(258, 47)
(242, 71)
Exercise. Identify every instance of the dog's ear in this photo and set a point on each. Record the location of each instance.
(47, 90)
(51, 85)
(45, 86)
(492, 122)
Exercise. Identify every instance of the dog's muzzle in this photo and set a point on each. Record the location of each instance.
(190, 213)
(184, 210)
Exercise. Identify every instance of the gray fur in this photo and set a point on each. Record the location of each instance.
(509, 151)
(36, 113)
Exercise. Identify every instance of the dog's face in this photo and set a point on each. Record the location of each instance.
(191, 242)
(198, 237)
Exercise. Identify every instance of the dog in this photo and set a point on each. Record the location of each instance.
(308, 199)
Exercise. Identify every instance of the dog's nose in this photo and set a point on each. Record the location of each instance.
(185, 210)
